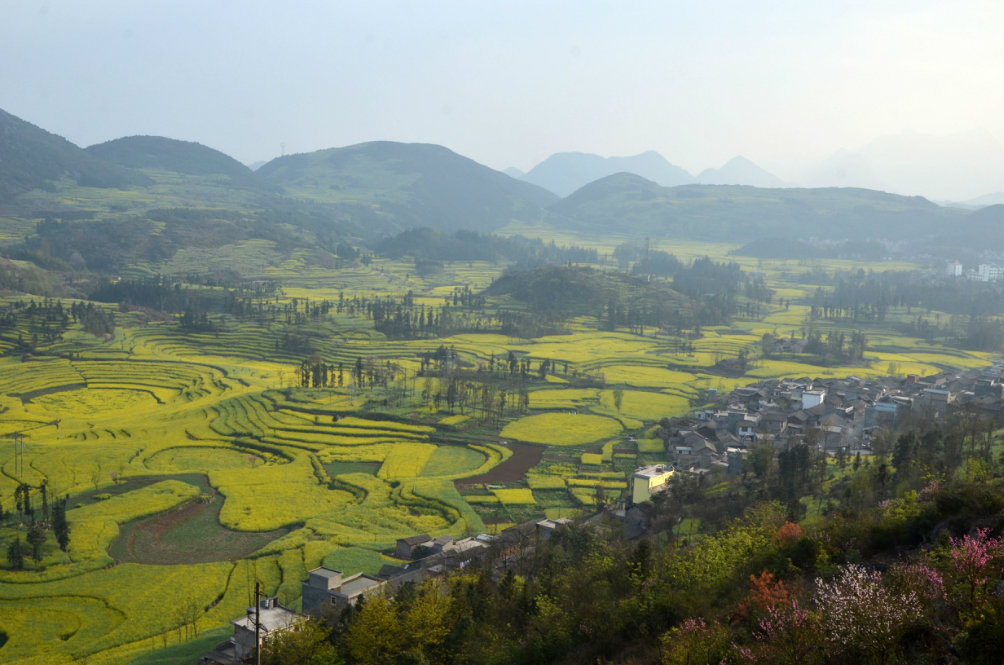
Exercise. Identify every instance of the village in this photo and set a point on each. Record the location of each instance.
(836, 417)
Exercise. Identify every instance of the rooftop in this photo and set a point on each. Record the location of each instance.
(327, 573)
(357, 584)
(276, 618)
(653, 471)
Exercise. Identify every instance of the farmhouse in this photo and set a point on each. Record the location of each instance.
(406, 546)
(324, 590)
(649, 480)
(272, 618)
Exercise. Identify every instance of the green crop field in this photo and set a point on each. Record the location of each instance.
(196, 464)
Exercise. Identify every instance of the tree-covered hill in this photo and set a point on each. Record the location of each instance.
(472, 246)
(414, 184)
(576, 290)
(630, 204)
(31, 158)
(158, 152)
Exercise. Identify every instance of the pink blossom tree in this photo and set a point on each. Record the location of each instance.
(787, 635)
(976, 563)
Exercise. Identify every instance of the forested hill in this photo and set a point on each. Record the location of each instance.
(157, 152)
(32, 158)
(630, 204)
(575, 290)
(413, 184)
(472, 246)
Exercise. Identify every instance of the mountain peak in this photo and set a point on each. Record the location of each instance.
(566, 172)
(739, 171)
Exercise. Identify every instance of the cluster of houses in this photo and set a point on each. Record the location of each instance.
(841, 413)
(327, 591)
(845, 413)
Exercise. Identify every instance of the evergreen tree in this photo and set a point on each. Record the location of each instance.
(15, 554)
(36, 538)
(59, 524)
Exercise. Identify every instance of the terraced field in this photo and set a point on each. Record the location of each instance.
(195, 465)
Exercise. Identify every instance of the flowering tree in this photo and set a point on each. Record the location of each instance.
(860, 614)
(787, 635)
(789, 533)
(920, 579)
(976, 562)
(766, 593)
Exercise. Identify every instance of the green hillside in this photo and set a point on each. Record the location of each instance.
(158, 152)
(32, 158)
(413, 184)
(635, 206)
(583, 290)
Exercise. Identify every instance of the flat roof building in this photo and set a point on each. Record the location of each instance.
(649, 480)
(324, 590)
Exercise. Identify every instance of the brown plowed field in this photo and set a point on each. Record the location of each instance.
(525, 456)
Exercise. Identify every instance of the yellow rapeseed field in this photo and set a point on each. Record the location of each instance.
(561, 429)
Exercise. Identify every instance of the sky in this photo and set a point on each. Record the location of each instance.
(509, 83)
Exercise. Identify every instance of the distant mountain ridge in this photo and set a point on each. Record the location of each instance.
(158, 152)
(960, 167)
(739, 171)
(411, 184)
(566, 172)
(32, 158)
(630, 205)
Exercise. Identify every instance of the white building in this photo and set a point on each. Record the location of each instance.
(272, 618)
(811, 398)
(990, 273)
(953, 269)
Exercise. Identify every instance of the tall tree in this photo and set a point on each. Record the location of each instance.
(15, 553)
(36, 538)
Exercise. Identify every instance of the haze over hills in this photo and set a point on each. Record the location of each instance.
(566, 172)
(157, 152)
(739, 171)
(631, 205)
(959, 167)
(413, 184)
(365, 191)
(987, 199)
(31, 158)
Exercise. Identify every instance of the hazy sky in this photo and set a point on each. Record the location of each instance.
(508, 83)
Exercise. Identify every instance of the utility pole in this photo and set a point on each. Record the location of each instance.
(257, 623)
